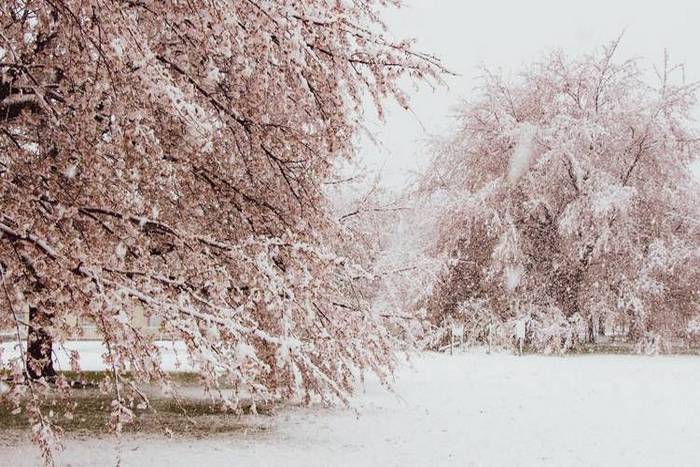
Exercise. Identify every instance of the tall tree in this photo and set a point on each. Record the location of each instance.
(566, 195)
(168, 158)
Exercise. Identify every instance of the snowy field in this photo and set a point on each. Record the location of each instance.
(466, 410)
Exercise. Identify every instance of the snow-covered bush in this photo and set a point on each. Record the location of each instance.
(551, 332)
(693, 327)
(477, 319)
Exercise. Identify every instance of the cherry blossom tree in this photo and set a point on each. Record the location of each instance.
(169, 158)
(565, 198)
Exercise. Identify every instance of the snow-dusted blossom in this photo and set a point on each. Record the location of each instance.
(205, 137)
(566, 196)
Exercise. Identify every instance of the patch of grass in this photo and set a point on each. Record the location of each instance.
(91, 416)
(623, 348)
(195, 416)
(93, 378)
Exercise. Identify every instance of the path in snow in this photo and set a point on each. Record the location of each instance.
(469, 409)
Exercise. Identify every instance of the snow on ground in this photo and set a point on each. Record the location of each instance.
(466, 410)
(173, 355)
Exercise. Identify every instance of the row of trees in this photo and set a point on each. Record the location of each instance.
(172, 158)
(563, 200)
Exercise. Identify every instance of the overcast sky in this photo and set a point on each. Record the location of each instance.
(507, 35)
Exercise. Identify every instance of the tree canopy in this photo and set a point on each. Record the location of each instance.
(564, 197)
(170, 158)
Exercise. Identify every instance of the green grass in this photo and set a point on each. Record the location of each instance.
(93, 378)
(90, 411)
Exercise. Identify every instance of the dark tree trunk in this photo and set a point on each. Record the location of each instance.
(39, 346)
(636, 327)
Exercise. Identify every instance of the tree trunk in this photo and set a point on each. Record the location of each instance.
(595, 328)
(39, 346)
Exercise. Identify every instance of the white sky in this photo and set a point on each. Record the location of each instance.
(508, 35)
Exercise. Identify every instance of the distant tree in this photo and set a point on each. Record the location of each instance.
(169, 157)
(567, 194)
